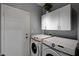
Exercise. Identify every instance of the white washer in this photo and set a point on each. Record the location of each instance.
(47, 51)
(36, 41)
(57, 46)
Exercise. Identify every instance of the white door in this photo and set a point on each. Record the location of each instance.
(15, 27)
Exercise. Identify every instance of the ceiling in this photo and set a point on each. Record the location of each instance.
(41, 4)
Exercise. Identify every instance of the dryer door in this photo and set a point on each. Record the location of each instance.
(50, 52)
(34, 49)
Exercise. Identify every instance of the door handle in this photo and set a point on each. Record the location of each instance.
(26, 37)
(26, 34)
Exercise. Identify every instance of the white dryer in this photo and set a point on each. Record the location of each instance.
(35, 47)
(57, 46)
(36, 41)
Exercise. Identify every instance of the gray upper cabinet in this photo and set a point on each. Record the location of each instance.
(58, 19)
(65, 20)
(52, 20)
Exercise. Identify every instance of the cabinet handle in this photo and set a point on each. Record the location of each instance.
(26, 37)
(26, 34)
(58, 27)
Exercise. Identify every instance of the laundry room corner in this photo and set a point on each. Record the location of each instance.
(39, 29)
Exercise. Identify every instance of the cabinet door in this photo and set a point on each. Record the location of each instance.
(65, 21)
(52, 20)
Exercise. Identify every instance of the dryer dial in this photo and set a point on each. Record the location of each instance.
(53, 44)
